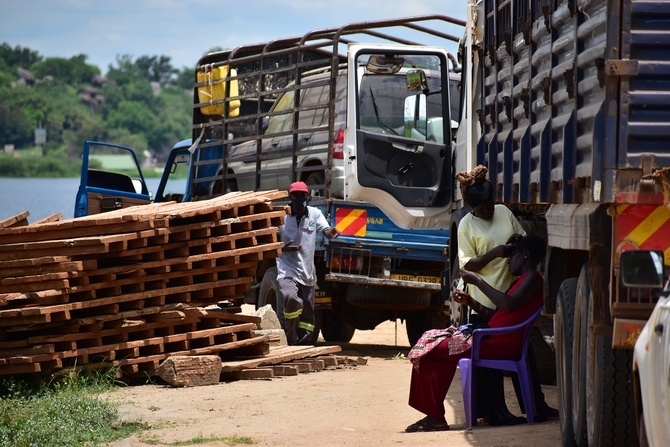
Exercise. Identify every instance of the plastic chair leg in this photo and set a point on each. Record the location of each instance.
(527, 393)
(469, 393)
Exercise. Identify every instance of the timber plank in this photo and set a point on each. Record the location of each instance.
(280, 355)
(52, 218)
(16, 220)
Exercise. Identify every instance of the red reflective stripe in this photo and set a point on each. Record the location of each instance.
(659, 240)
(629, 217)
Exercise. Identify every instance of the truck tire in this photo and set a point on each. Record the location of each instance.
(418, 322)
(382, 297)
(458, 312)
(579, 332)
(334, 329)
(269, 294)
(610, 412)
(563, 321)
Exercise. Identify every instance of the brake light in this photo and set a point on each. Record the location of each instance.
(338, 145)
(346, 263)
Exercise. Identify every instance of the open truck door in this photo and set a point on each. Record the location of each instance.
(399, 147)
(111, 178)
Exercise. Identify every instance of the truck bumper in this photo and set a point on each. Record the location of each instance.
(367, 280)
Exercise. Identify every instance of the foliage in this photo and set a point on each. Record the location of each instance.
(59, 412)
(229, 440)
(74, 71)
(144, 103)
(18, 56)
(55, 164)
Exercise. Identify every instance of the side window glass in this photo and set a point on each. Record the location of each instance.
(279, 123)
(385, 100)
(315, 99)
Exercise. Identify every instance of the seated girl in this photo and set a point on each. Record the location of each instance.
(437, 353)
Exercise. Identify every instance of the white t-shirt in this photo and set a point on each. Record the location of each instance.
(299, 265)
(477, 236)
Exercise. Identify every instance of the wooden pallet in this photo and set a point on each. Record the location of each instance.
(102, 289)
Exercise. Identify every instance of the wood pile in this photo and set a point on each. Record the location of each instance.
(129, 287)
(288, 361)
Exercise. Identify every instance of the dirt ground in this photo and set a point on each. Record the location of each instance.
(363, 405)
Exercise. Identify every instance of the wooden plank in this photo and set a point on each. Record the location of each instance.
(250, 374)
(28, 269)
(52, 218)
(16, 220)
(151, 293)
(227, 316)
(284, 370)
(199, 351)
(280, 355)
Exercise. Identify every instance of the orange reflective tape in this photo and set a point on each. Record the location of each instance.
(351, 222)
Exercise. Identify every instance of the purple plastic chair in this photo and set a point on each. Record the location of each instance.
(519, 366)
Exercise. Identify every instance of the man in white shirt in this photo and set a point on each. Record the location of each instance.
(296, 273)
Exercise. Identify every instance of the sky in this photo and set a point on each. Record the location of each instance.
(185, 30)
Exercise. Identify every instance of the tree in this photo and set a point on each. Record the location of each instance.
(156, 68)
(73, 71)
(185, 78)
(18, 56)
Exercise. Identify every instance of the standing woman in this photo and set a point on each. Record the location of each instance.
(484, 234)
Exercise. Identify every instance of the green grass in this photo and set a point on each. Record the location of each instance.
(63, 412)
(230, 440)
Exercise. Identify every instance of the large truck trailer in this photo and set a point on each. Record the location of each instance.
(566, 103)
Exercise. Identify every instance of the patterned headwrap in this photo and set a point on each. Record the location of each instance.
(475, 186)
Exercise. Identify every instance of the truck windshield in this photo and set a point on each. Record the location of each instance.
(382, 102)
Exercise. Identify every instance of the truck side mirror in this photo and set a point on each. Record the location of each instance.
(416, 81)
(642, 268)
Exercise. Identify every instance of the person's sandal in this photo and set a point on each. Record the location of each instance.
(428, 424)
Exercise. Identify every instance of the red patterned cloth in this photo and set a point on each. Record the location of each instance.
(458, 342)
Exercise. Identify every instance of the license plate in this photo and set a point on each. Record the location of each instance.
(413, 278)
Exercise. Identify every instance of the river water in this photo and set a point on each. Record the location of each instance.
(43, 196)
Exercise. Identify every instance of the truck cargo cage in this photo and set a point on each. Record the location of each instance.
(234, 90)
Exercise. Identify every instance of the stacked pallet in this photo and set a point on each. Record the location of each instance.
(129, 287)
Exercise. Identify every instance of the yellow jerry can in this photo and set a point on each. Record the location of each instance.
(215, 90)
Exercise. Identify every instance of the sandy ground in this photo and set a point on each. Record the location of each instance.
(354, 406)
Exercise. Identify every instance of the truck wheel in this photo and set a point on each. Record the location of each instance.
(579, 330)
(269, 294)
(610, 412)
(458, 312)
(563, 320)
(381, 297)
(334, 329)
(318, 318)
(418, 322)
